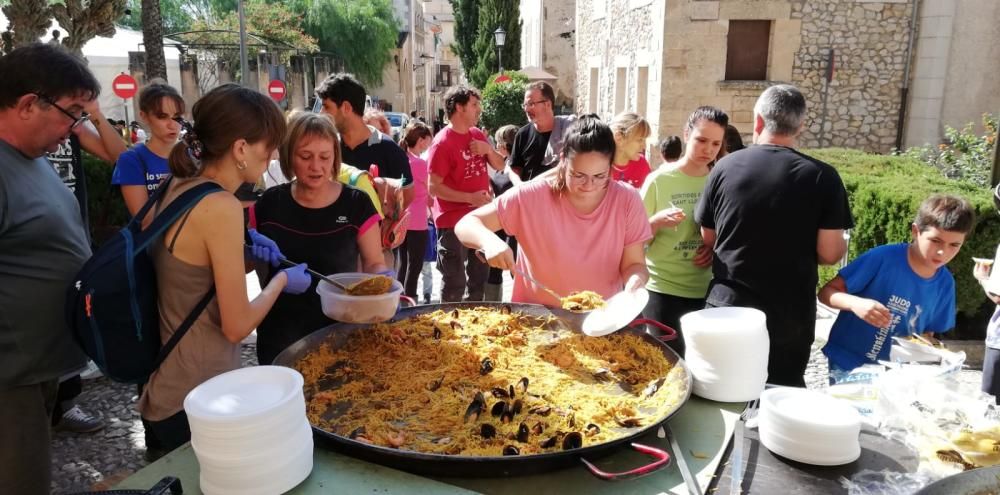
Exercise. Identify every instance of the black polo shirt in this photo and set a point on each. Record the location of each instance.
(379, 150)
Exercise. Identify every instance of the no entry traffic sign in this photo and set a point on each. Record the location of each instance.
(276, 89)
(124, 86)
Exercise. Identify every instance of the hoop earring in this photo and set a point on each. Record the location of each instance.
(241, 165)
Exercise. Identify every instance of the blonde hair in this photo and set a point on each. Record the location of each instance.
(300, 126)
(630, 124)
(378, 120)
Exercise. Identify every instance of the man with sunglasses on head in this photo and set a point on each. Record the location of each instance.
(43, 244)
(538, 143)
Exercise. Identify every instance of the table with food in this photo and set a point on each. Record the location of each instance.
(508, 397)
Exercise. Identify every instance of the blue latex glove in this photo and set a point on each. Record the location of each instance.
(388, 273)
(264, 250)
(298, 279)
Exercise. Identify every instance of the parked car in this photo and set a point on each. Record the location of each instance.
(397, 121)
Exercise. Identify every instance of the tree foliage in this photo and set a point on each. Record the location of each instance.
(28, 20)
(502, 102)
(466, 14)
(177, 15)
(361, 33)
(480, 59)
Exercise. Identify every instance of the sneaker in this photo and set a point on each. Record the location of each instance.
(77, 421)
(91, 372)
(427, 298)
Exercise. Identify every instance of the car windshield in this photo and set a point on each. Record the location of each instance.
(395, 120)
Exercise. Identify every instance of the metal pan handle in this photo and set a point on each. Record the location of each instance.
(668, 332)
(662, 459)
(406, 302)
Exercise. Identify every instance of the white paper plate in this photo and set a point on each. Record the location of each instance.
(619, 311)
(809, 426)
(243, 395)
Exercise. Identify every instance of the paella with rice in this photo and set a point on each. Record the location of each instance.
(487, 382)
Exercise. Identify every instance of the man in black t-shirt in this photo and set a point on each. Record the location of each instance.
(362, 145)
(538, 143)
(772, 214)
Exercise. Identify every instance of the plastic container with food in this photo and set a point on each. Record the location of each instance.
(346, 308)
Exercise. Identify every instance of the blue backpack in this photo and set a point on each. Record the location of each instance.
(112, 307)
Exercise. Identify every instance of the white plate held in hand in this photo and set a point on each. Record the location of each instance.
(619, 311)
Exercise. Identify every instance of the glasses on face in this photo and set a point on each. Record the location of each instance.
(76, 120)
(530, 104)
(585, 179)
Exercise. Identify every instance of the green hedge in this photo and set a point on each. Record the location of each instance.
(107, 208)
(502, 102)
(885, 191)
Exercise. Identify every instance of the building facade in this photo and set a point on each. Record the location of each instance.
(548, 45)
(853, 59)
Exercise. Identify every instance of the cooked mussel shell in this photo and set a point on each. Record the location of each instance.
(552, 441)
(485, 366)
(516, 408)
(499, 409)
(454, 313)
(540, 410)
(500, 393)
(592, 429)
(538, 428)
(437, 333)
(523, 433)
(571, 419)
(629, 422)
(476, 407)
(507, 416)
(510, 390)
(487, 431)
(435, 384)
(357, 432)
(572, 440)
(523, 385)
(505, 309)
(511, 450)
(456, 325)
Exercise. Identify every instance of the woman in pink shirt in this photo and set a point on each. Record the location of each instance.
(576, 230)
(630, 165)
(416, 138)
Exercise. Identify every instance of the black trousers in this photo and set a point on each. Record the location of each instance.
(162, 437)
(411, 260)
(668, 309)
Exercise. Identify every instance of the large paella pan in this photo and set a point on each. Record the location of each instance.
(485, 389)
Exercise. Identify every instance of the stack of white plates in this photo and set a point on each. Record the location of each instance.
(249, 431)
(726, 350)
(809, 426)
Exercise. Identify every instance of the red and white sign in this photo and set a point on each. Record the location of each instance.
(124, 86)
(276, 89)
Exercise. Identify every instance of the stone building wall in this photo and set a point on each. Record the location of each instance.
(870, 41)
(620, 41)
(559, 48)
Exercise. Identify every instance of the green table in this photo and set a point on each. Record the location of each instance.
(703, 429)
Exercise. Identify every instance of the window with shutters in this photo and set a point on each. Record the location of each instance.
(747, 49)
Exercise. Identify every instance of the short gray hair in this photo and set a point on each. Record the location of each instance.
(783, 109)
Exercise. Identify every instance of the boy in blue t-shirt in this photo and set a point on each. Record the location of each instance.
(897, 289)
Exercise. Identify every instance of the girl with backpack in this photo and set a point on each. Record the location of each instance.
(235, 131)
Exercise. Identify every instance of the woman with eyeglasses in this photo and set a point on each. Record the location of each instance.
(140, 170)
(576, 230)
(316, 220)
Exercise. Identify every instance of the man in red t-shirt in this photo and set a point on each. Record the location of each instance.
(459, 183)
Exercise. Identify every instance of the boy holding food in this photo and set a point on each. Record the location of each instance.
(897, 289)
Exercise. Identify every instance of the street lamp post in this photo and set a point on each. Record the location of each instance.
(500, 37)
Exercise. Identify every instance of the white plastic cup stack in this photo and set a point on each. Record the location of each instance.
(249, 431)
(726, 350)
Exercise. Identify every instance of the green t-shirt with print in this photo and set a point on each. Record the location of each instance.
(669, 256)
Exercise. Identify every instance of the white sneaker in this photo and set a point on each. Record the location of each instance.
(91, 372)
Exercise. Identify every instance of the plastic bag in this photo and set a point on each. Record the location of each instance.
(885, 482)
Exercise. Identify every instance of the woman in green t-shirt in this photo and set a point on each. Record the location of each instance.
(678, 261)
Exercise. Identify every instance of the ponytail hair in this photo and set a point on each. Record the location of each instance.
(413, 132)
(224, 115)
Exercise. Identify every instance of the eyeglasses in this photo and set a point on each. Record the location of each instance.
(76, 120)
(529, 104)
(584, 178)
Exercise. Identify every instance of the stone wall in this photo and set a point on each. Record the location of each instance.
(559, 48)
(870, 41)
